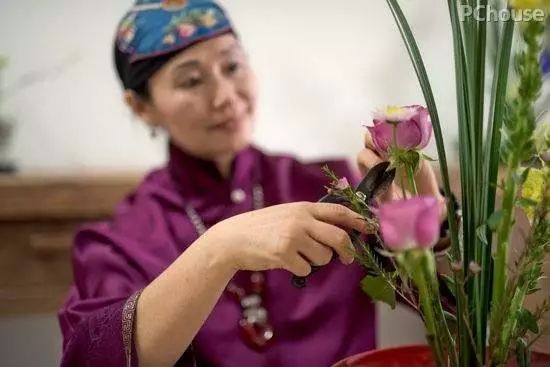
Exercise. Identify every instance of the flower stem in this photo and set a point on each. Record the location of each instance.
(402, 179)
(412, 182)
(428, 266)
(429, 316)
(415, 264)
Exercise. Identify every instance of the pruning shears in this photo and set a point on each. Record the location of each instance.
(375, 183)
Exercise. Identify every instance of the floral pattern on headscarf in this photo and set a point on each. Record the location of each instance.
(152, 27)
(127, 29)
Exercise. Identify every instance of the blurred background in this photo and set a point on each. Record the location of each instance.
(323, 68)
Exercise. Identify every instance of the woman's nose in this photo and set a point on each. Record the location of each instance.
(225, 93)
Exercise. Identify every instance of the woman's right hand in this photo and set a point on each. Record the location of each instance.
(287, 236)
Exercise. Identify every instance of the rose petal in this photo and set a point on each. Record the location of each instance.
(381, 134)
(393, 236)
(427, 224)
(410, 222)
(395, 114)
(396, 226)
(424, 123)
(408, 135)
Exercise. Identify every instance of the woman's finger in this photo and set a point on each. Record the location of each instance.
(297, 265)
(427, 185)
(366, 159)
(332, 237)
(318, 254)
(338, 215)
(369, 143)
(426, 182)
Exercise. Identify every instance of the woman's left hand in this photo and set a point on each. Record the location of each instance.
(426, 180)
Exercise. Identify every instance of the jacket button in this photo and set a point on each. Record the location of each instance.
(238, 196)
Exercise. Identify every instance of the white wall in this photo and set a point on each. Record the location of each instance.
(324, 66)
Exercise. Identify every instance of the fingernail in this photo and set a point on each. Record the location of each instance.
(346, 261)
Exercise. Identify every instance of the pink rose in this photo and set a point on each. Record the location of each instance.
(409, 223)
(413, 124)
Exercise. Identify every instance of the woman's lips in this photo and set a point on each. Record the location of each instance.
(230, 125)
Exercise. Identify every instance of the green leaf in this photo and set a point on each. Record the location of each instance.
(413, 158)
(526, 203)
(520, 178)
(379, 290)
(428, 158)
(495, 219)
(450, 283)
(451, 320)
(528, 321)
(481, 233)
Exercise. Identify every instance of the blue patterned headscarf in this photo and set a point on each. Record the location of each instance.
(153, 31)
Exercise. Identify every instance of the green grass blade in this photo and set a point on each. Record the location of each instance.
(423, 79)
(462, 50)
(492, 158)
(475, 287)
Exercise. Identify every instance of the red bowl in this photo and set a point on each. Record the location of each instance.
(413, 356)
(409, 356)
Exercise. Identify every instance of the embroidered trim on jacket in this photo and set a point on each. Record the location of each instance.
(128, 315)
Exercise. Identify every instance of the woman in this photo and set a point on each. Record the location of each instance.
(199, 257)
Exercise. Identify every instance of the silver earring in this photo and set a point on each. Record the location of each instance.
(153, 132)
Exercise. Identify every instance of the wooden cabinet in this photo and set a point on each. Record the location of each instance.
(38, 217)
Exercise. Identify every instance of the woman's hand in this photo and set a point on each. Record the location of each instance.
(426, 180)
(288, 236)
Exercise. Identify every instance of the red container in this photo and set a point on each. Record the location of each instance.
(412, 356)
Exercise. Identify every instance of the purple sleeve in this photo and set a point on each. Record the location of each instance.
(104, 337)
(111, 265)
(101, 303)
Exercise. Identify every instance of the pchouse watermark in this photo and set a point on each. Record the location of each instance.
(491, 14)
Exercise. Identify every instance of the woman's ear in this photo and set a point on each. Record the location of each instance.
(141, 107)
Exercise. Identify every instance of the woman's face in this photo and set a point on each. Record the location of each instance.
(205, 98)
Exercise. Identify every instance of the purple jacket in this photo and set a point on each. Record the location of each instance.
(328, 320)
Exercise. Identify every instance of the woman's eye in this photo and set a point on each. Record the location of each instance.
(190, 83)
(233, 67)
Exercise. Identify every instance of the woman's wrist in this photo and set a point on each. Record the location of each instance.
(216, 252)
(175, 305)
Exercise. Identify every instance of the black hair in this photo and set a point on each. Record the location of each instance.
(135, 76)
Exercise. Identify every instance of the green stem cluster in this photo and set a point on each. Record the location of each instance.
(518, 147)
(525, 280)
(483, 296)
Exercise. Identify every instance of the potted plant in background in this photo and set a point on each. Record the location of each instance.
(6, 133)
(502, 154)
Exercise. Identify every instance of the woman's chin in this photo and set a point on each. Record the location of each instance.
(238, 140)
(227, 146)
(237, 144)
